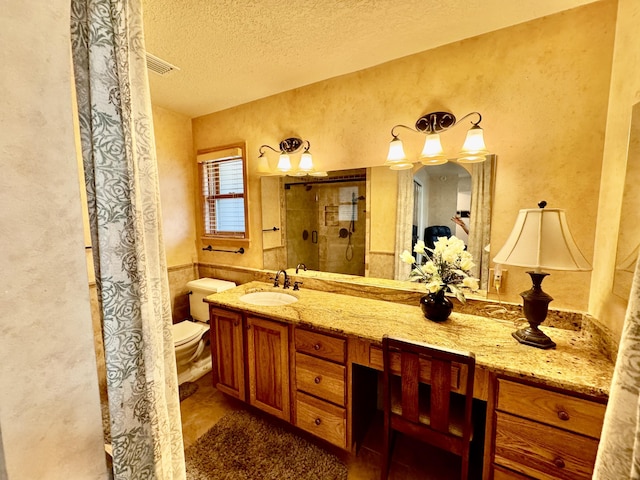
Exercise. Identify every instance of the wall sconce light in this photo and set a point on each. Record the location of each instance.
(431, 124)
(284, 167)
(540, 239)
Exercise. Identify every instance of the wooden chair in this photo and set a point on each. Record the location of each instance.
(418, 382)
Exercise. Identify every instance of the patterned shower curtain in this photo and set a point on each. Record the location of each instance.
(619, 449)
(124, 211)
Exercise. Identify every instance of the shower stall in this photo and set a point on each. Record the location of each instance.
(326, 224)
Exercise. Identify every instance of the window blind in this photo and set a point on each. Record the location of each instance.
(223, 193)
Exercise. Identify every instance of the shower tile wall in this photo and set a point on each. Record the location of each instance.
(321, 208)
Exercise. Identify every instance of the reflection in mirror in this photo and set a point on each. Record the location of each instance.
(324, 222)
(441, 203)
(448, 200)
(297, 205)
(629, 233)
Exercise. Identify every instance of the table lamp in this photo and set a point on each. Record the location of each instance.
(540, 239)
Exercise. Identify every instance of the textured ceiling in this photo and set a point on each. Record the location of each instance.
(231, 52)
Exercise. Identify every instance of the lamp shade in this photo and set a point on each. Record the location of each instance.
(432, 153)
(474, 149)
(396, 158)
(263, 165)
(541, 239)
(284, 163)
(306, 162)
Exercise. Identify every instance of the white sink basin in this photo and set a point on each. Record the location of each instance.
(268, 298)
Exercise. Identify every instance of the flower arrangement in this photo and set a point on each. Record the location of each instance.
(448, 267)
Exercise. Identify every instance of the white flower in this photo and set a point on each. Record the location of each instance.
(466, 264)
(448, 266)
(406, 257)
(470, 283)
(430, 268)
(419, 247)
(440, 244)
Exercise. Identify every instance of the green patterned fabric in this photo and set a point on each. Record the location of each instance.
(124, 212)
(619, 448)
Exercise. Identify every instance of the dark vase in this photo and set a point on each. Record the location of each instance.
(436, 306)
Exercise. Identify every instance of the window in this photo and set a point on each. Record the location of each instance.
(223, 199)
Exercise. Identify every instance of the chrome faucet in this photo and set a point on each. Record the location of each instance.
(301, 265)
(276, 282)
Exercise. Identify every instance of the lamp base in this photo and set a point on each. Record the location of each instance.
(535, 306)
(533, 337)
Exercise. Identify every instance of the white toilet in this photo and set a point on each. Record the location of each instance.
(193, 356)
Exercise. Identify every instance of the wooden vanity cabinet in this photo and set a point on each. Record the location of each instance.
(268, 365)
(544, 434)
(227, 352)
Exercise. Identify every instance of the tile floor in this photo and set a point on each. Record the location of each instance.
(411, 460)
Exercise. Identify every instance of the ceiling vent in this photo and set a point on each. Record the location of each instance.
(159, 66)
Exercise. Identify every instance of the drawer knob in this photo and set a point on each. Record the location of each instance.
(317, 379)
(563, 415)
(316, 346)
(235, 323)
(318, 421)
(558, 462)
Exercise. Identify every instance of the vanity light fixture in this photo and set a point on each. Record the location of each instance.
(284, 167)
(432, 124)
(540, 239)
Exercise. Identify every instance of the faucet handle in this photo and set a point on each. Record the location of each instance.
(287, 281)
(276, 283)
(296, 285)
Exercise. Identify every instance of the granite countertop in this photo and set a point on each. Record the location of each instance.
(575, 364)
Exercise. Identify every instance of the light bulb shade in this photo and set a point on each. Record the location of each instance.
(306, 163)
(474, 148)
(432, 147)
(263, 165)
(284, 163)
(396, 159)
(541, 239)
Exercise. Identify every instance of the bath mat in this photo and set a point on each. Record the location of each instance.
(243, 446)
(187, 389)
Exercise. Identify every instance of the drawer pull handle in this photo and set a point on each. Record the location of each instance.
(318, 421)
(558, 462)
(563, 415)
(235, 323)
(317, 379)
(316, 346)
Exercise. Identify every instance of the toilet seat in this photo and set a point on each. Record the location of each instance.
(187, 332)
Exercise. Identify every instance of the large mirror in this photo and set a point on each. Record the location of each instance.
(322, 222)
(629, 233)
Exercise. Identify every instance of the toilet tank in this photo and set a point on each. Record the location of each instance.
(203, 287)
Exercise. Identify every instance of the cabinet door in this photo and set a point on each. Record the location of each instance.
(268, 359)
(227, 352)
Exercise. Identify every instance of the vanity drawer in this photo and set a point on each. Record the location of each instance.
(321, 378)
(542, 451)
(322, 419)
(500, 473)
(320, 345)
(552, 408)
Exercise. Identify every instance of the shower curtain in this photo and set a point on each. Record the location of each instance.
(619, 449)
(121, 178)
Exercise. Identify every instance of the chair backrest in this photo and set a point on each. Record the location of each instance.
(444, 371)
(432, 233)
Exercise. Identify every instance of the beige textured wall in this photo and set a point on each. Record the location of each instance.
(624, 93)
(542, 88)
(176, 172)
(49, 404)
